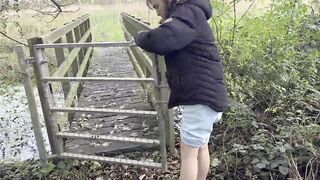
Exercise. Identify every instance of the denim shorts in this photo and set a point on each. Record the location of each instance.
(197, 123)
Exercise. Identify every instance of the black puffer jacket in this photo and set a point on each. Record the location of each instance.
(194, 68)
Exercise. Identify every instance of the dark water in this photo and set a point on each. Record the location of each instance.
(17, 142)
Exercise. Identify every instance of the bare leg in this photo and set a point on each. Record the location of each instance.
(203, 162)
(189, 162)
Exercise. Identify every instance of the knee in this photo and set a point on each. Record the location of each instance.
(203, 148)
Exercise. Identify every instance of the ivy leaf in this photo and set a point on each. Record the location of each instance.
(274, 164)
(255, 124)
(69, 164)
(288, 146)
(283, 170)
(96, 165)
(100, 178)
(47, 169)
(266, 162)
(261, 165)
(255, 161)
(215, 162)
(61, 165)
(257, 147)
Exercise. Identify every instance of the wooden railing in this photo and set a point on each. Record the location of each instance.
(73, 62)
(142, 62)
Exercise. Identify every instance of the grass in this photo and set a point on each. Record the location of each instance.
(105, 21)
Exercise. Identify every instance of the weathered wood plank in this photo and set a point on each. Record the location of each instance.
(78, 37)
(75, 87)
(75, 64)
(60, 58)
(161, 113)
(58, 33)
(65, 66)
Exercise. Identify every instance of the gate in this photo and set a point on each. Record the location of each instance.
(76, 38)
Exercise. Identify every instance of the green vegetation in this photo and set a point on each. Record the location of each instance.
(273, 74)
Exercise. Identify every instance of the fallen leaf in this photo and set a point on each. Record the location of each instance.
(142, 176)
(135, 134)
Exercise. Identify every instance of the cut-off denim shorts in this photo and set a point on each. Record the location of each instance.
(197, 124)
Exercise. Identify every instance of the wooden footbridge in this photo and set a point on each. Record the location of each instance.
(99, 100)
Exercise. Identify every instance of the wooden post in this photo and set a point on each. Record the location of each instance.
(90, 36)
(75, 64)
(82, 32)
(89, 28)
(32, 105)
(159, 107)
(86, 26)
(41, 70)
(60, 58)
(168, 113)
(78, 36)
(59, 53)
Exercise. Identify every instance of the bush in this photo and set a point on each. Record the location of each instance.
(273, 75)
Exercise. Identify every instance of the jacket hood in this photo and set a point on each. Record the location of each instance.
(204, 5)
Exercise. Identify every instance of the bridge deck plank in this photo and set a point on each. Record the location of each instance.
(111, 62)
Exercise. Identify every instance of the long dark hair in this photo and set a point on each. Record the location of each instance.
(171, 3)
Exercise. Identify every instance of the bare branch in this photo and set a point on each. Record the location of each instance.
(12, 39)
(65, 5)
(245, 13)
(71, 11)
(57, 5)
(234, 22)
(45, 13)
(55, 16)
(228, 8)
